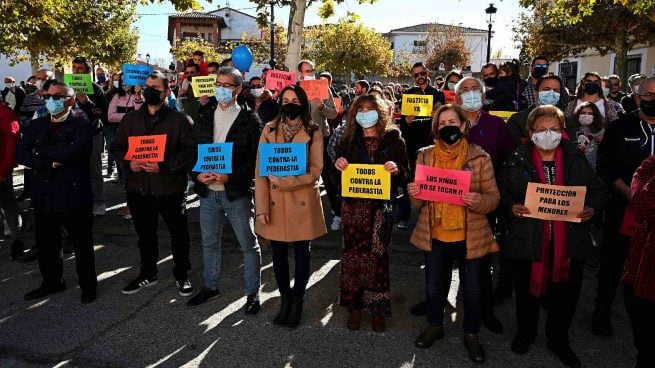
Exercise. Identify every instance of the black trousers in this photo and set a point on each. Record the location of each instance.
(145, 210)
(48, 228)
(330, 188)
(613, 252)
(642, 318)
(281, 265)
(560, 302)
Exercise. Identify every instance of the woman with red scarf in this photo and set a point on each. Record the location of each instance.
(547, 257)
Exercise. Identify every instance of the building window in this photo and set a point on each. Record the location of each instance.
(634, 64)
(420, 43)
(569, 73)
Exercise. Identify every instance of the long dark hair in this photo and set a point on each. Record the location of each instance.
(305, 116)
(597, 124)
(580, 90)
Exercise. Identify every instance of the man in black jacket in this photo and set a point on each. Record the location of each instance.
(95, 107)
(155, 188)
(57, 147)
(228, 196)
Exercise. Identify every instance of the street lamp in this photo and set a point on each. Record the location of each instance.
(272, 62)
(148, 59)
(491, 16)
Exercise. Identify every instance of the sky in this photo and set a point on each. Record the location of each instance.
(382, 16)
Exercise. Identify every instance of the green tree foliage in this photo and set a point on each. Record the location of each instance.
(55, 33)
(183, 49)
(348, 46)
(572, 11)
(445, 45)
(607, 26)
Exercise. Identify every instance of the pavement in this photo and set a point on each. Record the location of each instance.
(155, 328)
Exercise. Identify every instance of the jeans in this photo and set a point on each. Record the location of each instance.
(96, 171)
(560, 301)
(281, 265)
(9, 206)
(79, 224)
(215, 208)
(642, 319)
(145, 210)
(438, 268)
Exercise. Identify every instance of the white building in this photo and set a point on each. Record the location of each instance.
(237, 24)
(410, 41)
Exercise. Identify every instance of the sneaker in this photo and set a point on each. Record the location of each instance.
(252, 306)
(336, 223)
(139, 283)
(204, 295)
(99, 209)
(184, 287)
(403, 225)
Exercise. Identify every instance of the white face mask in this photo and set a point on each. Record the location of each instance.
(309, 77)
(585, 119)
(116, 84)
(39, 84)
(547, 141)
(257, 92)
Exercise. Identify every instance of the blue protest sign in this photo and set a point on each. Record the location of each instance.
(214, 157)
(282, 159)
(134, 74)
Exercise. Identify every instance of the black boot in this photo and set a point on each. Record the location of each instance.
(17, 249)
(295, 312)
(285, 305)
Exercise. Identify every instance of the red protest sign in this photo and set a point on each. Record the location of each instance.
(630, 225)
(148, 148)
(317, 88)
(278, 79)
(449, 95)
(442, 185)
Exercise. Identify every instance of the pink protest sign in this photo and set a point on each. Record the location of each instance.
(442, 185)
(278, 79)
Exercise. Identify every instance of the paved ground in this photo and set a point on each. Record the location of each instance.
(155, 328)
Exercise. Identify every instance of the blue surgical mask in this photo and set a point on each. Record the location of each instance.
(54, 106)
(451, 86)
(367, 119)
(548, 97)
(223, 95)
(471, 100)
(9, 85)
(606, 91)
(257, 92)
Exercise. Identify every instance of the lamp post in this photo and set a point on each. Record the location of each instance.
(272, 62)
(148, 59)
(491, 16)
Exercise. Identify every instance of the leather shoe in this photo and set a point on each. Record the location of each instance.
(565, 354)
(29, 256)
(378, 324)
(520, 344)
(354, 319)
(429, 336)
(43, 291)
(475, 349)
(88, 296)
(492, 323)
(601, 324)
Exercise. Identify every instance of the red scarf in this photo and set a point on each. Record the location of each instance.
(541, 268)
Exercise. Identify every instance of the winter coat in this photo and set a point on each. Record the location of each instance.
(479, 237)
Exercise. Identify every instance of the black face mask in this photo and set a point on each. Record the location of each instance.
(539, 72)
(152, 96)
(450, 134)
(291, 110)
(591, 88)
(647, 107)
(491, 81)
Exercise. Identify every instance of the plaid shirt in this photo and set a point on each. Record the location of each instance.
(639, 268)
(530, 100)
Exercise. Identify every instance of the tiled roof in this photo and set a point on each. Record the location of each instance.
(194, 15)
(422, 28)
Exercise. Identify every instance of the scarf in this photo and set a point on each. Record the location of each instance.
(289, 131)
(449, 219)
(541, 269)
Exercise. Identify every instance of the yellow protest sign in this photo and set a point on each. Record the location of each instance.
(204, 86)
(417, 105)
(505, 115)
(366, 181)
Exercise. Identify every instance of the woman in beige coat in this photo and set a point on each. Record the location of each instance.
(448, 232)
(289, 210)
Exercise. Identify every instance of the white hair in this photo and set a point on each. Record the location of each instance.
(458, 86)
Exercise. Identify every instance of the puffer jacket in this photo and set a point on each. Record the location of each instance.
(479, 237)
(524, 239)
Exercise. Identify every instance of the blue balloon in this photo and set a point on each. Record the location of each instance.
(242, 58)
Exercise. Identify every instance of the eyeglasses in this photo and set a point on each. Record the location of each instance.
(420, 74)
(57, 97)
(540, 66)
(226, 85)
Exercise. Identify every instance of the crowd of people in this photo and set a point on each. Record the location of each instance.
(598, 138)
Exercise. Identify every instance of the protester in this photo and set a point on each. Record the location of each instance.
(452, 78)
(438, 82)
(630, 102)
(289, 210)
(158, 188)
(35, 100)
(489, 74)
(198, 58)
(638, 276)
(101, 78)
(187, 98)
(590, 90)
(361, 87)
(212, 68)
(12, 94)
(626, 143)
(369, 138)
(95, 107)
(228, 196)
(538, 68)
(9, 136)
(590, 130)
(261, 100)
(57, 148)
(450, 233)
(614, 86)
(547, 257)
(506, 94)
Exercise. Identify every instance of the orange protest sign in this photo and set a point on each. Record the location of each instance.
(278, 79)
(337, 104)
(148, 148)
(554, 202)
(449, 95)
(317, 88)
